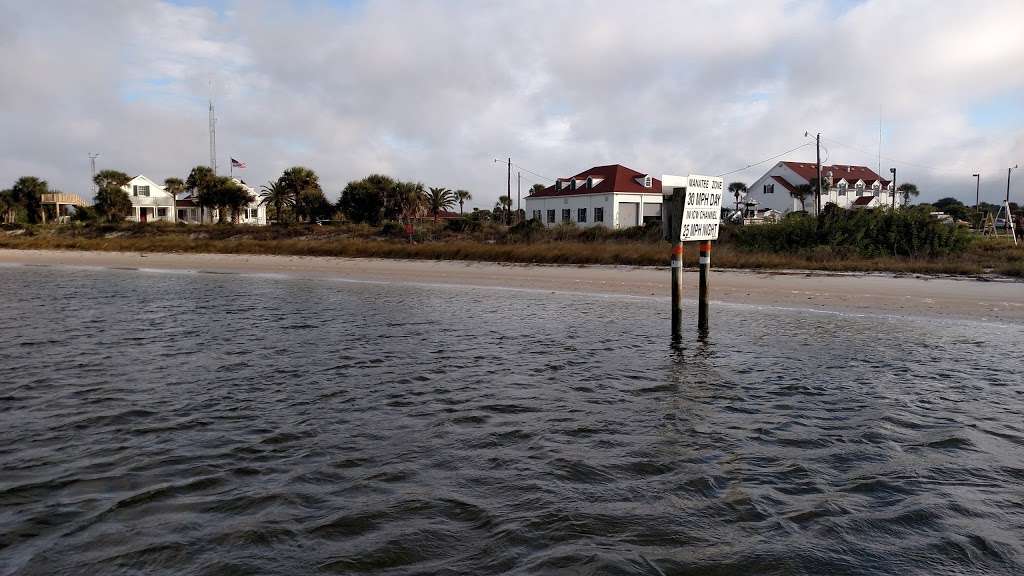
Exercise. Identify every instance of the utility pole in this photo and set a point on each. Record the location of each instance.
(92, 161)
(519, 194)
(893, 170)
(509, 193)
(977, 196)
(817, 187)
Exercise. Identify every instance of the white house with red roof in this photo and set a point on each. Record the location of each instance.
(848, 186)
(614, 196)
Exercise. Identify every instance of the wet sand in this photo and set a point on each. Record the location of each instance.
(886, 294)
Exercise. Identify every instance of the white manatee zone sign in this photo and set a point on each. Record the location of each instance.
(702, 211)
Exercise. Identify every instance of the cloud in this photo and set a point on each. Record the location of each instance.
(435, 91)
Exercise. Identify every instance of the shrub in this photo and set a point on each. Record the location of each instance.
(393, 229)
(464, 225)
(866, 233)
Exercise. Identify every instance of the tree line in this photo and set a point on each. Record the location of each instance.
(378, 198)
(295, 196)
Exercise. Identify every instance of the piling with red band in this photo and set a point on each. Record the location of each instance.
(677, 289)
(703, 264)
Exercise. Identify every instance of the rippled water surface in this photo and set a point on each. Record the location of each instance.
(172, 423)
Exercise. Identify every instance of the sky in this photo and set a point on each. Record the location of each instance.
(436, 91)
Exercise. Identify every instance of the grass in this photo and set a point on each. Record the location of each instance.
(495, 244)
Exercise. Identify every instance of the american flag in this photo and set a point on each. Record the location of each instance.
(237, 163)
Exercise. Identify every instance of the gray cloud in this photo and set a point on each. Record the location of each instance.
(435, 91)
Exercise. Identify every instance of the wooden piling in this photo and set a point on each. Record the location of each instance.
(677, 289)
(703, 264)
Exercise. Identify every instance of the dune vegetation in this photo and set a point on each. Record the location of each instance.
(883, 241)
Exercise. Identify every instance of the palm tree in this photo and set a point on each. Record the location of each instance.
(438, 200)
(505, 204)
(737, 188)
(275, 194)
(112, 202)
(801, 193)
(462, 196)
(174, 186)
(297, 180)
(8, 207)
(28, 193)
(236, 198)
(201, 180)
(536, 189)
(312, 204)
(908, 189)
(407, 199)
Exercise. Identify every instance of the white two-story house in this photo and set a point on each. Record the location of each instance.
(846, 186)
(151, 202)
(614, 196)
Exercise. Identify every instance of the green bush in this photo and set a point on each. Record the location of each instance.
(393, 230)
(867, 233)
(464, 225)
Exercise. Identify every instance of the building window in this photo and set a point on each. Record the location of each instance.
(598, 214)
(860, 189)
(566, 215)
(842, 188)
(769, 189)
(648, 182)
(161, 212)
(140, 190)
(551, 216)
(581, 215)
(536, 215)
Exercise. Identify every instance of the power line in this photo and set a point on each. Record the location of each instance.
(527, 170)
(765, 160)
(890, 159)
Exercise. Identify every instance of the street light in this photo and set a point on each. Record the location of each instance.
(893, 170)
(1008, 170)
(977, 197)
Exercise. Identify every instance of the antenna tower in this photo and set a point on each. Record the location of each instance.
(92, 161)
(213, 138)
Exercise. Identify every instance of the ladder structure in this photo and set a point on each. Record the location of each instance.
(1004, 212)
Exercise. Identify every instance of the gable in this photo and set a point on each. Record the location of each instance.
(140, 180)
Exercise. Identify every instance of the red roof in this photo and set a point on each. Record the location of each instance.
(785, 183)
(847, 172)
(613, 178)
(863, 200)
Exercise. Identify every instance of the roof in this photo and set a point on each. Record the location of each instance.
(848, 172)
(613, 178)
(150, 181)
(863, 200)
(785, 183)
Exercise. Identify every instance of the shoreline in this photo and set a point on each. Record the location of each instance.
(986, 299)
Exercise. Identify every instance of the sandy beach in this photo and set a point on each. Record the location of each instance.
(964, 298)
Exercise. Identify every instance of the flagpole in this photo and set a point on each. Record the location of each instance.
(232, 170)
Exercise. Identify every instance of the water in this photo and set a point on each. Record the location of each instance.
(157, 423)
